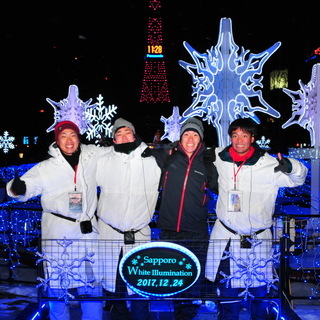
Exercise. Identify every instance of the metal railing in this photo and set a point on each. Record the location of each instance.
(294, 259)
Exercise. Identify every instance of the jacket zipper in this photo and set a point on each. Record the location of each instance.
(164, 183)
(190, 160)
(205, 196)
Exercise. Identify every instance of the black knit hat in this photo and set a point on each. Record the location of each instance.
(192, 124)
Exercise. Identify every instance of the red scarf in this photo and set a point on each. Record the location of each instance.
(236, 157)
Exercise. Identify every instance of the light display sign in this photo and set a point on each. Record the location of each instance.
(159, 269)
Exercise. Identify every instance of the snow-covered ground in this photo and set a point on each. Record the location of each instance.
(14, 298)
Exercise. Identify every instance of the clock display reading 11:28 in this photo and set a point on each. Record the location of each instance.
(155, 49)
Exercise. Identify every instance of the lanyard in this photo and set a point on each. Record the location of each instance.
(75, 177)
(236, 172)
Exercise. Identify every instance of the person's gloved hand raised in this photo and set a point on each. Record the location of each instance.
(18, 186)
(284, 165)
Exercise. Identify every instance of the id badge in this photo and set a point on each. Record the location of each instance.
(234, 201)
(75, 202)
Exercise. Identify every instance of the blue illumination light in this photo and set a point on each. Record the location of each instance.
(37, 314)
(6, 142)
(223, 81)
(73, 109)
(305, 106)
(172, 126)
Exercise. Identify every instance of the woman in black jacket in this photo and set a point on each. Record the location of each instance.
(187, 173)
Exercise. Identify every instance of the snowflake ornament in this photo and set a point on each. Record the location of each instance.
(100, 119)
(263, 143)
(6, 142)
(72, 109)
(305, 106)
(224, 80)
(172, 126)
(250, 267)
(65, 269)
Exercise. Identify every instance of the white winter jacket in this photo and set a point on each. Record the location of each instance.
(53, 179)
(129, 192)
(259, 185)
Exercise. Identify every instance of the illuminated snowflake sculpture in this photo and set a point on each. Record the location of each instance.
(263, 143)
(250, 268)
(6, 142)
(100, 119)
(73, 109)
(172, 126)
(223, 81)
(64, 269)
(304, 107)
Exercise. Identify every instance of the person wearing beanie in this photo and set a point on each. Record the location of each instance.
(249, 181)
(121, 123)
(192, 124)
(61, 126)
(188, 172)
(128, 180)
(65, 181)
(67, 138)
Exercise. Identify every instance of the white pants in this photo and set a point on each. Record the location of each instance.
(91, 310)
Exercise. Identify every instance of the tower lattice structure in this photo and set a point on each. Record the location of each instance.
(154, 83)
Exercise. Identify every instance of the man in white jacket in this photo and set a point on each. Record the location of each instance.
(66, 183)
(240, 250)
(129, 180)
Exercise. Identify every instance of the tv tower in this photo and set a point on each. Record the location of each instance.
(154, 83)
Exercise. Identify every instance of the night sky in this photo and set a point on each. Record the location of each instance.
(101, 48)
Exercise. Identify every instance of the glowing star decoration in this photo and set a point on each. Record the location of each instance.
(100, 119)
(172, 126)
(223, 81)
(6, 142)
(305, 107)
(73, 109)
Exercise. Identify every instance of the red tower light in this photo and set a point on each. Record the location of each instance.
(154, 83)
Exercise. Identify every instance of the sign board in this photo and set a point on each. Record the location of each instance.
(159, 269)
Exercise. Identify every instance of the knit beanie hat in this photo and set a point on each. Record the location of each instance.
(60, 126)
(192, 124)
(120, 123)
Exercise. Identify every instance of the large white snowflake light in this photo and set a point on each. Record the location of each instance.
(305, 110)
(250, 268)
(73, 109)
(172, 126)
(223, 81)
(64, 269)
(6, 142)
(100, 119)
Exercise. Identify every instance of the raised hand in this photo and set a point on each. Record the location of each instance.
(284, 165)
(18, 186)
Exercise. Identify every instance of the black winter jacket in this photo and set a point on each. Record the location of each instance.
(184, 196)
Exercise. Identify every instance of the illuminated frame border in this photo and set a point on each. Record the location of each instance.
(161, 244)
